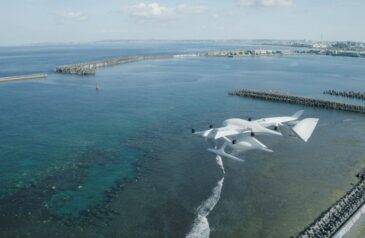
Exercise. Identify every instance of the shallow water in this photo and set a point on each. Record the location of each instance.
(122, 161)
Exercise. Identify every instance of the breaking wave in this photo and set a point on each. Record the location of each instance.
(220, 163)
(200, 227)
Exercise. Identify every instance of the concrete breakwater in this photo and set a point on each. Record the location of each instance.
(346, 228)
(89, 68)
(311, 102)
(335, 217)
(22, 77)
(347, 94)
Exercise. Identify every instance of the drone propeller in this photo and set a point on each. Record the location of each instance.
(278, 126)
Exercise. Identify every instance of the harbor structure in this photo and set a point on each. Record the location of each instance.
(89, 68)
(305, 101)
(347, 94)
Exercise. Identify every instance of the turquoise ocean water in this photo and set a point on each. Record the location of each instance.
(122, 162)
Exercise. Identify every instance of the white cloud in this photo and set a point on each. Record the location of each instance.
(247, 2)
(278, 3)
(157, 11)
(77, 16)
(266, 3)
(186, 9)
(151, 10)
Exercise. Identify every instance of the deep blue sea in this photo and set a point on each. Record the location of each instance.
(122, 162)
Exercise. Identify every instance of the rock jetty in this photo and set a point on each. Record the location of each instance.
(89, 68)
(347, 94)
(22, 77)
(311, 102)
(330, 221)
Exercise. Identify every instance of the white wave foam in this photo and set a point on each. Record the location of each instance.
(200, 228)
(186, 55)
(220, 163)
(208, 205)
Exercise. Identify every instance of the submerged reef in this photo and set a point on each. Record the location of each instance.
(51, 200)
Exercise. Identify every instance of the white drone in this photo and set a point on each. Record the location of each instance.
(239, 135)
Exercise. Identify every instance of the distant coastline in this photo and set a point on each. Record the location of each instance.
(90, 68)
(262, 52)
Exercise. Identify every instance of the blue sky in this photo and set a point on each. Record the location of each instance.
(36, 21)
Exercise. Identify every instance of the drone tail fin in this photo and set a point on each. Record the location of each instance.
(305, 128)
(298, 114)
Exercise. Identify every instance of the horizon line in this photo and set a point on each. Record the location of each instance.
(167, 40)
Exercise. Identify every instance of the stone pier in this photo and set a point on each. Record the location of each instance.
(305, 101)
(89, 68)
(347, 94)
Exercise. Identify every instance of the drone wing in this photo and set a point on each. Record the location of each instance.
(305, 128)
(227, 131)
(204, 134)
(257, 128)
(218, 133)
(279, 121)
(249, 127)
(221, 152)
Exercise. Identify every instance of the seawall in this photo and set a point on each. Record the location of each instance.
(305, 101)
(347, 94)
(90, 68)
(339, 218)
(22, 77)
(350, 223)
